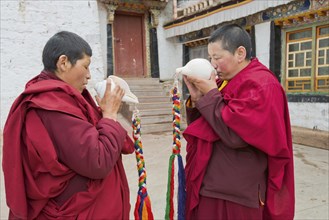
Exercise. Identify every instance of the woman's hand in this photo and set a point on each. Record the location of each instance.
(111, 102)
(199, 87)
(194, 92)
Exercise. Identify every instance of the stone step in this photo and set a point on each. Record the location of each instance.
(153, 105)
(152, 87)
(137, 87)
(142, 81)
(160, 127)
(310, 137)
(156, 127)
(149, 112)
(156, 92)
(150, 99)
(153, 119)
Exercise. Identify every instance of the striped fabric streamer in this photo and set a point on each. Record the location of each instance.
(177, 171)
(143, 210)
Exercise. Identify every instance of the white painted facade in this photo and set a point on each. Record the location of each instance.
(310, 115)
(262, 37)
(170, 50)
(26, 25)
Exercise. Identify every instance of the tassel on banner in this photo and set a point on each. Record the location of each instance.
(178, 183)
(143, 210)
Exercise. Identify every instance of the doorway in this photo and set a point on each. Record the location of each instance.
(129, 46)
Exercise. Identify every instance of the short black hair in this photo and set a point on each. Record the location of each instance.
(231, 37)
(64, 43)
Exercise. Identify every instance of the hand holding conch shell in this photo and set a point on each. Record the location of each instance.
(198, 67)
(199, 77)
(128, 97)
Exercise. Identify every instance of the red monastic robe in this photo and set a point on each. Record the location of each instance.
(256, 109)
(32, 172)
(199, 136)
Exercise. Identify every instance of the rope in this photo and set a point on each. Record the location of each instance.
(143, 210)
(178, 170)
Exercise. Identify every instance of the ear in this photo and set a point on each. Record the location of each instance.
(241, 54)
(62, 63)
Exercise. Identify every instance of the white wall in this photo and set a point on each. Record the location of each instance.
(263, 36)
(102, 12)
(309, 115)
(170, 50)
(26, 25)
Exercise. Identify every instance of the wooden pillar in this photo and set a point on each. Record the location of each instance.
(186, 58)
(253, 41)
(110, 50)
(154, 52)
(275, 50)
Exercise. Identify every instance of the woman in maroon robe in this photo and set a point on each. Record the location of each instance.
(62, 153)
(239, 147)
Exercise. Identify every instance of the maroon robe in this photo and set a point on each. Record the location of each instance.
(33, 174)
(200, 137)
(256, 110)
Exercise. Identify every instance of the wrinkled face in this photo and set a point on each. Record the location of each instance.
(78, 75)
(225, 63)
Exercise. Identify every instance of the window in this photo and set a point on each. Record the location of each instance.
(322, 59)
(307, 63)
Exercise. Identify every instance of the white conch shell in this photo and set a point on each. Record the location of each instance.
(197, 67)
(128, 97)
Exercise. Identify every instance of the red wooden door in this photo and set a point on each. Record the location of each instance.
(129, 47)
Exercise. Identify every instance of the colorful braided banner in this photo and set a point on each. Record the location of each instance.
(176, 173)
(143, 210)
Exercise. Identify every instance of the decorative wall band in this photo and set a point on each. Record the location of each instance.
(308, 98)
